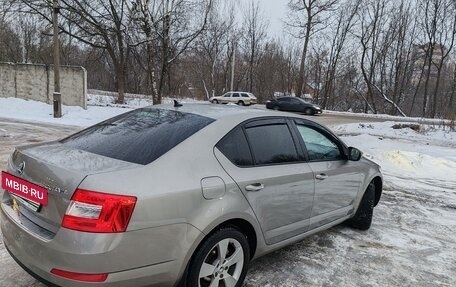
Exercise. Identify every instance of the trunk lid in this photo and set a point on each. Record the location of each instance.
(60, 169)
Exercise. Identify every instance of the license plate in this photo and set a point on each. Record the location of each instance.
(24, 189)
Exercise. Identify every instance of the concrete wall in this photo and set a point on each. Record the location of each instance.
(36, 82)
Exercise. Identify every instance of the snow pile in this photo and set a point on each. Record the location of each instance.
(427, 134)
(389, 117)
(99, 107)
(35, 111)
(421, 162)
(103, 98)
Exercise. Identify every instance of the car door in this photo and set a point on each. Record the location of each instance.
(337, 180)
(284, 104)
(267, 163)
(295, 105)
(226, 98)
(235, 98)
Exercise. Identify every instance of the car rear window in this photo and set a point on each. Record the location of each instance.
(140, 136)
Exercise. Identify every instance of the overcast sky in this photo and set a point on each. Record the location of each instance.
(274, 11)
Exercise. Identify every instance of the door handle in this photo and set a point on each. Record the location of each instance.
(321, 176)
(254, 187)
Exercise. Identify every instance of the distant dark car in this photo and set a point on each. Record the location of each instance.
(293, 104)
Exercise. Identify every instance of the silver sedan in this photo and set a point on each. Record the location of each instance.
(189, 195)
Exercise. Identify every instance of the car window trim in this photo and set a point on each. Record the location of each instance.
(268, 120)
(275, 121)
(228, 134)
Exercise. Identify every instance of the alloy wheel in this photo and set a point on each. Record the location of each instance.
(222, 266)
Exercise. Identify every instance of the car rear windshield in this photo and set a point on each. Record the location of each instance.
(140, 136)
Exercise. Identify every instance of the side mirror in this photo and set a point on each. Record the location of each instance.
(354, 154)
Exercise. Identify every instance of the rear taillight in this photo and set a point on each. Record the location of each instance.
(92, 211)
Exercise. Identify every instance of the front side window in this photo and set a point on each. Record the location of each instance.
(319, 147)
(272, 144)
(227, 95)
(245, 95)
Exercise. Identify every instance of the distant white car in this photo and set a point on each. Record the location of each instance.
(240, 98)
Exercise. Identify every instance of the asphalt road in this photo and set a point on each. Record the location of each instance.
(339, 256)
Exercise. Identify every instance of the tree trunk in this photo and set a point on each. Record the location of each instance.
(301, 79)
(436, 91)
(429, 54)
(165, 57)
(120, 85)
(370, 92)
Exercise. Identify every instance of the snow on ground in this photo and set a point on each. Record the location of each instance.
(103, 98)
(35, 111)
(390, 117)
(100, 106)
(422, 161)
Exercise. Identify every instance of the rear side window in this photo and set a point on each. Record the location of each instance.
(272, 144)
(235, 95)
(140, 136)
(235, 147)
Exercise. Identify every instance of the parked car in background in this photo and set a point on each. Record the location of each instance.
(293, 104)
(186, 193)
(240, 98)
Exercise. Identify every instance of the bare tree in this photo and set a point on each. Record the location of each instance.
(175, 24)
(438, 25)
(10, 44)
(446, 38)
(308, 17)
(212, 45)
(254, 35)
(101, 24)
(343, 25)
(372, 16)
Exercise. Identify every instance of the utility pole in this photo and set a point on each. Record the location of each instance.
(232, 67)
(56, 96)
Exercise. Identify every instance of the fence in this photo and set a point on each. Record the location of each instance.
(36, 82)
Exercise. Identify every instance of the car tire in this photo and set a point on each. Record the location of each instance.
(308, 111)
(214, 101)
(275, 108)
(241, 103)
(229, 268)
(363, 216)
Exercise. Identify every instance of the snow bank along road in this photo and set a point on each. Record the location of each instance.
(412, 241)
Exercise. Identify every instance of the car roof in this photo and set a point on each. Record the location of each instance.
(222, 111)
(289, 97)
(238, 92)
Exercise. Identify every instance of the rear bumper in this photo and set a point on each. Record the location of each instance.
(149, 257)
